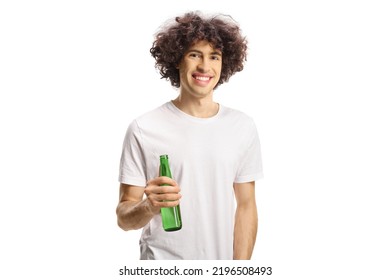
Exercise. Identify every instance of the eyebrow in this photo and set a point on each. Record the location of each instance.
(212, 53)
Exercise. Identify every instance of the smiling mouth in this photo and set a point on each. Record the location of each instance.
(201, 78)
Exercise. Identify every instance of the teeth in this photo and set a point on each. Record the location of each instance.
(203, 78)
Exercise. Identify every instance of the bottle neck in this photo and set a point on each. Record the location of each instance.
(164, 167)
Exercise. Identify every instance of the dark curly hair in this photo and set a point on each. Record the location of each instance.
(221, 31)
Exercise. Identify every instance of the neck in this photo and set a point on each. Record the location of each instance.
(200, 108)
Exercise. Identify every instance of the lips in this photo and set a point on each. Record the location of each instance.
(202, 78)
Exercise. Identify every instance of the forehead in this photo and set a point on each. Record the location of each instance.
(204, 46)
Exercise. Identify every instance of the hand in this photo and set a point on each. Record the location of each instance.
(162, 196)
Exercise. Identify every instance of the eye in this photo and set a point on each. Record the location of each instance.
(215, 57)
(195, 55)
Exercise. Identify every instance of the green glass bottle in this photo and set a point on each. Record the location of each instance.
(171, 218)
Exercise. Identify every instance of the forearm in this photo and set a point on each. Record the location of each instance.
(134, 215)
(245, 231)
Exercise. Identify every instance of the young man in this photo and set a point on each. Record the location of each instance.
(214, 151)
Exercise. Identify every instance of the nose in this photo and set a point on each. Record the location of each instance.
(204, 65)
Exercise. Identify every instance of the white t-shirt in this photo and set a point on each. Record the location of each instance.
(206, 156)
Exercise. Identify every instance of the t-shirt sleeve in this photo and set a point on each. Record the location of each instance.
(132, 170)
(250, 168)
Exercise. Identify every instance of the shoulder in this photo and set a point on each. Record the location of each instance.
(150, 117)
(238, 122)
(137, 124)
(156, 112)
(236, 116)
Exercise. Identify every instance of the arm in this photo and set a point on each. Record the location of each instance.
(134, 211)
(245, 228)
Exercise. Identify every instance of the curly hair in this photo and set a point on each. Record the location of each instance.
(223, 34)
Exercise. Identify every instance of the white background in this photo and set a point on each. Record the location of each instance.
(73, 74)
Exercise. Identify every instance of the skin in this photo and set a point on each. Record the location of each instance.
(199, 70)
(245, 227)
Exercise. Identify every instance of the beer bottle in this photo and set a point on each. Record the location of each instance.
(171, 218)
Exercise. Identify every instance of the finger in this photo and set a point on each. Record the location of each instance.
(161, 189)
(164, 200)
(164, 197)
(170, 203)
(162, 180)
(168, 189)
(170, 197)
(165, 203)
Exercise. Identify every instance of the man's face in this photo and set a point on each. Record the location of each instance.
(200, 69)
